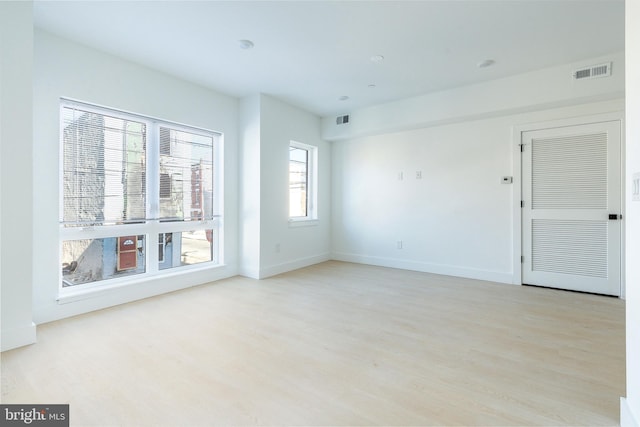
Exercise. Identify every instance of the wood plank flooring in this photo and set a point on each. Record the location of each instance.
(333, 344)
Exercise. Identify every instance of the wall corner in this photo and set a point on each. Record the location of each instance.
(18, 337)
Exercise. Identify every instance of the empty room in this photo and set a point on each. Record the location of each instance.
(320, 213)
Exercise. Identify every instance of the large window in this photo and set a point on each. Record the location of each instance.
(302, 181)
(138, 196)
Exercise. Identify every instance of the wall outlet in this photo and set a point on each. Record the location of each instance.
(400, 176)
(418, 174)
(399, 244)
(635, 187)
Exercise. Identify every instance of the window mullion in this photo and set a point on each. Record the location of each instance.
(153, 195)
(153, 174)
(306, 180)
(313, 183)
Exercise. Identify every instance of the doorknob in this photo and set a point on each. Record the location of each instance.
(615, 217)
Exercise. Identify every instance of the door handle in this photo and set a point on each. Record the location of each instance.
(614, 217)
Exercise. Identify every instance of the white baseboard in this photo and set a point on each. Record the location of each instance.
(446, 270)
(627, 417)
(18, 337)
(251, 273)
(293, 265)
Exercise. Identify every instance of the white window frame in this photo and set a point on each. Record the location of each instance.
(152, 226)
(312, 186)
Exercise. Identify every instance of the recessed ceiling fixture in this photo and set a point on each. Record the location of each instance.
(245, 44)
(377, 59)
(486, 63)
(343, 98)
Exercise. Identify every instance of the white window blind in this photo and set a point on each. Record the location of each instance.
(103, 169)
(187, 159)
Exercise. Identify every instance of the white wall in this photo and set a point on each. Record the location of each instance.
(250, 186)
(455, 220)
(458, 219)
(16, 183)
(537, 90)
(630, 407)
(66, 69)
(269, 245)
(298, 246)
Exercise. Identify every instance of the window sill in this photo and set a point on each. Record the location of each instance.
(97, 289)
(302, 222)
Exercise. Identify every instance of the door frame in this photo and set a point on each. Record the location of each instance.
(517, 131)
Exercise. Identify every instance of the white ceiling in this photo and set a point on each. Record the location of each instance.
(309, 53)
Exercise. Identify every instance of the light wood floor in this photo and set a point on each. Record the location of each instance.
(333, 344)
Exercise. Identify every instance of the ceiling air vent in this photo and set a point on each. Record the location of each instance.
(340, 120)
(593, 71)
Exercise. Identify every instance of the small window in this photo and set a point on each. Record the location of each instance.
(302, 179)
(165, 141)
(92, 260)
(188, 248)
(165, 186)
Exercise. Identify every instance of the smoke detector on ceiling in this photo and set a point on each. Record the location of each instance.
(593, 71)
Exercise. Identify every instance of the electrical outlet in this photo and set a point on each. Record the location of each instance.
(418, 174)
(400, 176)
(399, 244)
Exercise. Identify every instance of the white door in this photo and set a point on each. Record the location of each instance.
(571, 207)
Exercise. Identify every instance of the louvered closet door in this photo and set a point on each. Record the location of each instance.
(571, 186)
